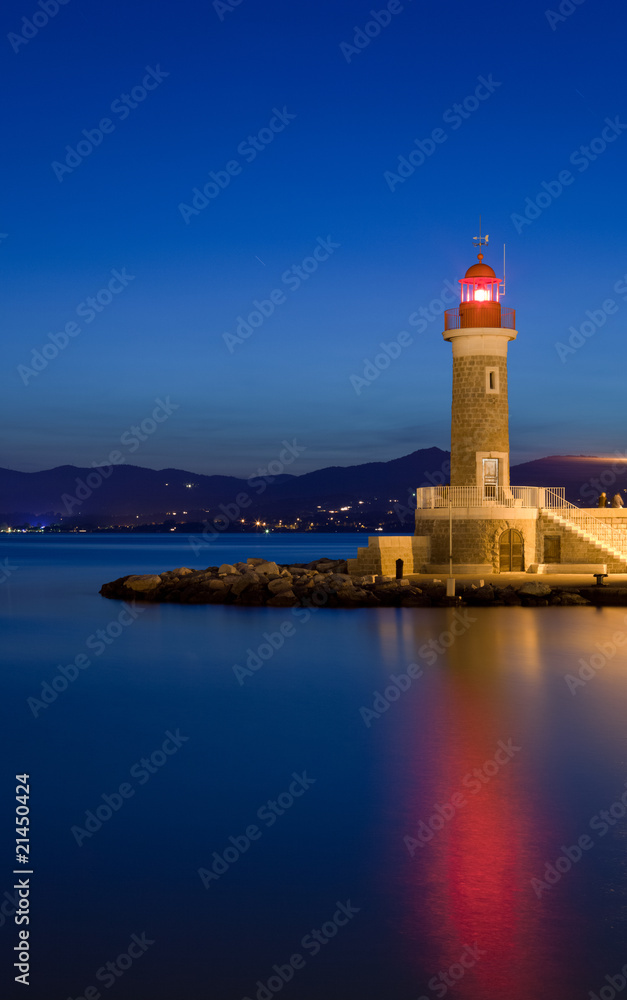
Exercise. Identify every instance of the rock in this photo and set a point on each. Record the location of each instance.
(268, 568)
(139, 583)
(254, 596)
(286, 599)
(255, 562)
(182, 571)
(217, 585)
(279, 586)
(568, 598)
(534, 590)
(246, 580)
(226, 569)
(485, 593)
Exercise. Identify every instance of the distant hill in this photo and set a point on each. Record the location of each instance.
(136, 494)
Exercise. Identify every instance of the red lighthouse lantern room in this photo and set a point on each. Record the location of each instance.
(480, 295)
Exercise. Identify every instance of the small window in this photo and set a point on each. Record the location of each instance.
(492, 380)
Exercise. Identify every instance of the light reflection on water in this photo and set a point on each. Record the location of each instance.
(501, 680)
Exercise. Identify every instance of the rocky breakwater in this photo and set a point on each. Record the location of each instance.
(257, 582)
(326, 583)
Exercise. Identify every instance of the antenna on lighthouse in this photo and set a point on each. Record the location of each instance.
(503, 292)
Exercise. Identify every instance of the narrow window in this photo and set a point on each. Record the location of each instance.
(492, 380)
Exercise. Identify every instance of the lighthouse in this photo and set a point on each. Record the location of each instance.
(480, 523)
(479, 331)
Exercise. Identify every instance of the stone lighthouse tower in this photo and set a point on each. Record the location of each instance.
(480, 523)
(479, 332)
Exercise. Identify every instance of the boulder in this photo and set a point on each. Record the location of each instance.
(139, 583)
(246, 580)
(534, 589)
(217, 585)
(568, 598)
(483, 594)
(255, 562)
(226, 569)
(182, 571)
(280, 586)
(286, 599)
(267, 568)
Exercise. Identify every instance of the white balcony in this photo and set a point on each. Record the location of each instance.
(431, 497)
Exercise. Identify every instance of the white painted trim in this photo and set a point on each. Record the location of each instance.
(475, 340)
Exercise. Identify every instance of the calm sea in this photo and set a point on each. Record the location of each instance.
(230, 803)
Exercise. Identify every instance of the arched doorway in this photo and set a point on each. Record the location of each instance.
(399, 569)
(511, 557)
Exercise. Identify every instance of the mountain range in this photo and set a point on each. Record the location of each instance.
(129, 494)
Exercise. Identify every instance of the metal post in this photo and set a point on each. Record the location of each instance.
(450, 583)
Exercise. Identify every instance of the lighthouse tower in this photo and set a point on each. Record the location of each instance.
(480, 523)
(479, 332)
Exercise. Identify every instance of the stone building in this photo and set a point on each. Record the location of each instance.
(480, 523)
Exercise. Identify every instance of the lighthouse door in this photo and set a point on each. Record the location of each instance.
(490, 478)
(511, 552)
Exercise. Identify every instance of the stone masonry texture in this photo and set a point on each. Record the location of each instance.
(479, 419)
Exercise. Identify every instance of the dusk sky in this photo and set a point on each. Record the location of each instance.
(332, 121)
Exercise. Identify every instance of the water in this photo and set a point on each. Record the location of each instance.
(380, 781)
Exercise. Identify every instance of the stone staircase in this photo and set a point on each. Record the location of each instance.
(601, 539)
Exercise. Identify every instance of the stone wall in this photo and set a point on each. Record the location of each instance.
(477, 541)
(574, 548)
(379, 559)
(479, 419)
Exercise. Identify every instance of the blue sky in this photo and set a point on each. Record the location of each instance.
(323, 170)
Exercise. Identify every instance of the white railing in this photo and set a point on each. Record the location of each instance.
(428, 497)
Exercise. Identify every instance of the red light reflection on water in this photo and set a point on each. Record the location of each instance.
(469, 885)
